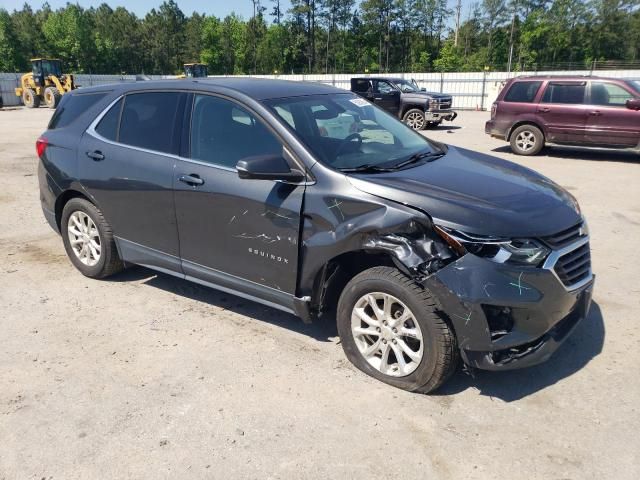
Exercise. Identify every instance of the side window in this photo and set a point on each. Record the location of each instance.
(384, 87)
(223, 133)
(149, 121)
(361, 86)
(609, 94)
(108, 126)
(71, 107)
(523, 92)
(567, 93)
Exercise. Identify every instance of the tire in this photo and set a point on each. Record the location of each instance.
(527, 140)
(415, 119)
(30, 99)
(434, 357)
(434, 124)
(107, 262)
(51, 97)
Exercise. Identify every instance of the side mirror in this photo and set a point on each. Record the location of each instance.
(268, 167)
(633, 104)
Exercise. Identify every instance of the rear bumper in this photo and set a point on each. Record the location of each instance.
(490, 128)
(507, 317)
(438, 115)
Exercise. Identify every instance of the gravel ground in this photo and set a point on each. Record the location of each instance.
(147, 376)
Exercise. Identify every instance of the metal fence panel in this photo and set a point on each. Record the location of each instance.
(470, 90)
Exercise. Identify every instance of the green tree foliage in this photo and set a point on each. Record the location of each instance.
(326, 36)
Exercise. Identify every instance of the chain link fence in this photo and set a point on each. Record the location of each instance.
(470, 90)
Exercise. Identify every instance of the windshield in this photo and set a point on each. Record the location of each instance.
(51, 67)
(346, 132)
(408, 86)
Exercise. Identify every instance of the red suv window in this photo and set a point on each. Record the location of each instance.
(568, 93)
(523, 92)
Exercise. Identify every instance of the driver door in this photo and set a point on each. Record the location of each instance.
(235, 233)
(386, 96)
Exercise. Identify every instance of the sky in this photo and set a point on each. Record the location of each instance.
(219, 8)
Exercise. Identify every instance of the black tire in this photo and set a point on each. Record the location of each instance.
(51, 97)
(109, 261)
(415, 119)
(440, 352)
(527, 140)
(30, 99)
(434, 124)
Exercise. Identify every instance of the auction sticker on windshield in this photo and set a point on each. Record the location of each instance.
(359, 102)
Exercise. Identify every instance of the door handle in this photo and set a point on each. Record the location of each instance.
(96, 155)
(596, 113)
(544, 110)
(377, 98)
(193, 180)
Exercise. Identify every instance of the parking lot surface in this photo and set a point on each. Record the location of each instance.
(147, 376)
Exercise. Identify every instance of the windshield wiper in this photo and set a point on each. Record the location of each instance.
(367, 167)
(416, 157)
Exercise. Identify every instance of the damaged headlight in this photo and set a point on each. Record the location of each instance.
(520, 251)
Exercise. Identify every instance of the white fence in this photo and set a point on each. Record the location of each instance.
(470, 90)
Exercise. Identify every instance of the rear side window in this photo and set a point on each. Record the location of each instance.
(72, 106)
(108, 126)
(149, 121)
(609, 94)
(523, 92)
(361, 85)
(567, 93)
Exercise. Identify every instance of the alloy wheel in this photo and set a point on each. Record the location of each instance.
(415, 121)
(387, 334)
(526, 140)
(84, 238)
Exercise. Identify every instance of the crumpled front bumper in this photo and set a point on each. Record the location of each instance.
(504, 316)
(438, 115)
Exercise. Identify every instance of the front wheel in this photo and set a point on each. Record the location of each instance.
(51, 97)
(415, 119)
(527, 140)
(390, 329)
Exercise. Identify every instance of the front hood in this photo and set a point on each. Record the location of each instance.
(424, 95)
(479, 194)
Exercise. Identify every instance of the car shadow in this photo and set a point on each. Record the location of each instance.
(442, 127)
(577, 153)
(323, 329)
(584, 344)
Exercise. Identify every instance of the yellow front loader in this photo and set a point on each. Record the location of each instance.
(45, 83)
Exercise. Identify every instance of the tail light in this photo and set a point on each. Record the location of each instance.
(41, 145)
(494, 109)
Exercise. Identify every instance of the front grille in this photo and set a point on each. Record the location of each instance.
(575, 266)
(445, 103)
(565, 237)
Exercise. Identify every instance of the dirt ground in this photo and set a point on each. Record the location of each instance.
(147, 376)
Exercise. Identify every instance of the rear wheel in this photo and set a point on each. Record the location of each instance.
(88, 239)
(415, 119)
(51, 97)
(390, 330)
(527, 140)
(434, 124)
(30, 98)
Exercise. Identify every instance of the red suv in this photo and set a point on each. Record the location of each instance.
(588, 111)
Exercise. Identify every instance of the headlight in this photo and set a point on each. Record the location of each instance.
(500, 250)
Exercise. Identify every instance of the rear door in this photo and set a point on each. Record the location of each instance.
(610, 122)
(563, 111)
(386, 96)
(235, 233)
(126, 162)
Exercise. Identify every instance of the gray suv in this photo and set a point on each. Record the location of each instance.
(311, 200)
